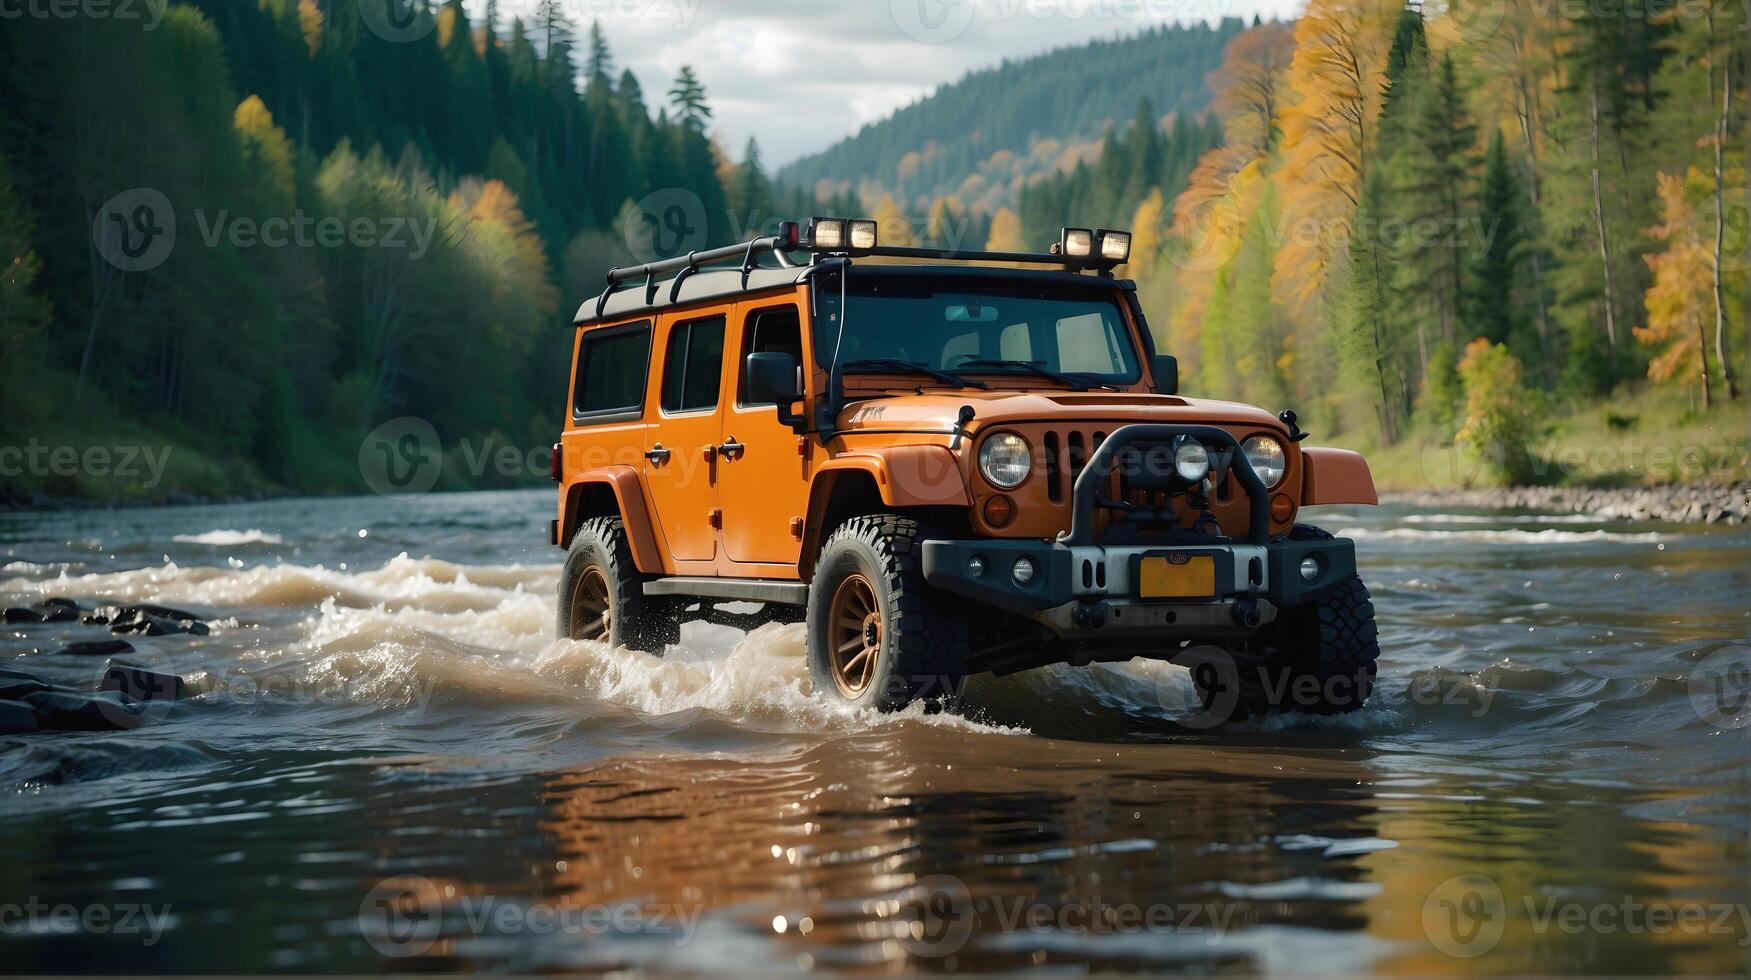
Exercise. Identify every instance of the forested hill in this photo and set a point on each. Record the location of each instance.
(981, 137)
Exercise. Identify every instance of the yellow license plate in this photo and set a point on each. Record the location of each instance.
(1177, 577)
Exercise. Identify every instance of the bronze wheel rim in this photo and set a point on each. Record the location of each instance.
(592, 614)
(855, 634)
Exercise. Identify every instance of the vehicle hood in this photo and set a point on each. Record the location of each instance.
(937, 411)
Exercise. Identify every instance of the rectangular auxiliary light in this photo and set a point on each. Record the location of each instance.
(863, 234)
(1076, 243)
(1115, 246)
(827, 234)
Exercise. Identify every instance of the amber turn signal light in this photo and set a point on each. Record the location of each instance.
(1282, 508)
(999, 511)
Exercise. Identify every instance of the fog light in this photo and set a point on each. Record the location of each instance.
(1309, 568)
(975, 566)
(1024, 571)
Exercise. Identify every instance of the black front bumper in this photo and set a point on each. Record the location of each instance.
(1064, 574)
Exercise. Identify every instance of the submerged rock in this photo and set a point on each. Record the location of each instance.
(141, 684)
(96, 648)
(19, 614)
(15, 686)
(18, 718)
(155, 620)
(29, 704)
(80, 711)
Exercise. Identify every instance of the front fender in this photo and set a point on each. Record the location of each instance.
(907, 476)
(1336, 476)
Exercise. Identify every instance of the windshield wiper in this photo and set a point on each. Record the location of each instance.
(896, 364)
(1033, 367)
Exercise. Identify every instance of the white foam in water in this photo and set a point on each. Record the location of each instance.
(1505, 519)
(1508, 536)
(412, 628)
(228, 538)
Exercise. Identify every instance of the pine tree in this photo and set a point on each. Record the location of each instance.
(1492, 307)
(688, 98)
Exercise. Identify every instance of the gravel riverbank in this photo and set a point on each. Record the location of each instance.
(1694, 503)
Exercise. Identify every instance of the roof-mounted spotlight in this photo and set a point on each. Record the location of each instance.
(1076, 243)
(827, 234)
(863, 234)
(1115, 246)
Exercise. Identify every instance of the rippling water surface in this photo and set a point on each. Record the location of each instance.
(391, 765)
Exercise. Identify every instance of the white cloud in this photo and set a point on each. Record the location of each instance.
(800, 75)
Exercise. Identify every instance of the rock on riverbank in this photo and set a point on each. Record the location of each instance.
(1695, 503)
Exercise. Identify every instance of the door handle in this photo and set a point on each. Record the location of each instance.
(657, 455)
(731, 449)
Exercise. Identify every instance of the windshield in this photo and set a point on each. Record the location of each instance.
(974, 328)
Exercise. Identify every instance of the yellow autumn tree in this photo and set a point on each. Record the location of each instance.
(265, 145)
(1680, 301)
(1005, 235)
(310, 23)
(505, 243)
(1337, 70)
(892, 225)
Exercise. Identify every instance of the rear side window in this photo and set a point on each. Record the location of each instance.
(612, 367)
(693, 366)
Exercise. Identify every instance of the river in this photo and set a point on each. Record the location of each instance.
(391, 765)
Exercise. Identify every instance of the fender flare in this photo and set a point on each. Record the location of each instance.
(907, 476)
(623, 482)
(1336, 476)
(904, 476)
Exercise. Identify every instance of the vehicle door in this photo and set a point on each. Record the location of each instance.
(681, 460)
(763, 476)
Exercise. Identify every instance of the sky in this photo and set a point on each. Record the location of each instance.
(801, 75)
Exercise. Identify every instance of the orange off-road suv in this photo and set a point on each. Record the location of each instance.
(955, 463)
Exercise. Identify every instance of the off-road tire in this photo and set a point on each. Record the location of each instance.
(1319, 658)
(636, 622)
(922, 653)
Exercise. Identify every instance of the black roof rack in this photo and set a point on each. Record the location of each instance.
(755, 276)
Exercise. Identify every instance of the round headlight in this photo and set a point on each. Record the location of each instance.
(1005, 460)
(1191, 460)
(1267, 459)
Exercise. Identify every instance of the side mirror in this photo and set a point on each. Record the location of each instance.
(772, 380)
(1165, 367)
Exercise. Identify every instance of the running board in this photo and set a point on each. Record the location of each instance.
(733, 589)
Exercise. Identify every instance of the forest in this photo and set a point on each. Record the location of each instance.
(260, 229)
(369, 221)
(1498, 230)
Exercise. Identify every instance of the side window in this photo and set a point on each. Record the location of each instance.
(693, 366)
(1015, 344)
(612, 367)
(778, 331)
